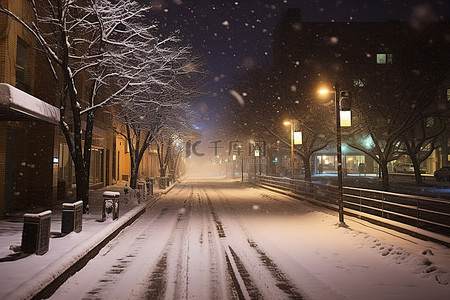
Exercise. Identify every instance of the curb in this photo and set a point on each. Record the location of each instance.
(53, 276)
(49, 289)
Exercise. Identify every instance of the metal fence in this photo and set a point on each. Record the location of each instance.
(427, 213)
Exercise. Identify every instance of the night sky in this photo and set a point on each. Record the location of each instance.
(231, 36)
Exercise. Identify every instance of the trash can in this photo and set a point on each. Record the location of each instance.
(110, 205)
(141, 187)
(72, 217)
(36, 232)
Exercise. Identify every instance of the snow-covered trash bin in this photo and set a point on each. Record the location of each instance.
(36, 232)
(110, 205)
(149, 185)
(72, 217)
(142, 191)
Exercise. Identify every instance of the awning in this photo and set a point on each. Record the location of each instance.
(18, 105)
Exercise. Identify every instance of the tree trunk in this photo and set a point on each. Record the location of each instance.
(82, 182)
(139, 153)
(384, 175)
(134, 177)
(307, 169)
(418, 175)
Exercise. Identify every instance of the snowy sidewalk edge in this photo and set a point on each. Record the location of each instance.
(57, 272)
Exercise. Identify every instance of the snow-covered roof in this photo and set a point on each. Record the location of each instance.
(23, 103)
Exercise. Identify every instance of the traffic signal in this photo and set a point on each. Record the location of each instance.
(345, 101)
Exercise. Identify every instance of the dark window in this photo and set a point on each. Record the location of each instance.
(22, 65)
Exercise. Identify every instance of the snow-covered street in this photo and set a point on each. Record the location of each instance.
(221, 239)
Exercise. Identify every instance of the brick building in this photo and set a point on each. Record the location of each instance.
(36, 169)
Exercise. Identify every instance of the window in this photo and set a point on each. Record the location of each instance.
(384, 58)
(22, 65)
(448, 94)
(96, 166)
(359, 83)
(429, 122)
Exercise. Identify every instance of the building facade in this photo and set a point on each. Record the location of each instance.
(36, 169)
(307, 54)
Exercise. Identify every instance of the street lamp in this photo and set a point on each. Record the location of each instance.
(338, 149)
(287, 123)
(234, 165)
(242, 162)
(259, 159)
(255, 154)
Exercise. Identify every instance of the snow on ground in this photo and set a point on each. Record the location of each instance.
(19, 279)
(177, 249)
(363, 261)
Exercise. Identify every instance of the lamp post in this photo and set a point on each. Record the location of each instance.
(338, 151)
(242, 162)
(255, 154)
(242, 168)
(233, 166)
(287, 123)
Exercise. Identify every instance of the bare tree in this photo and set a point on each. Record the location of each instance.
(391, 98)
(148, 108)
(84, 41)
(268, 98)
(421, 140)
(177, 124)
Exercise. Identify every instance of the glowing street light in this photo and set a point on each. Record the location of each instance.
(338, 148)
(296, 139)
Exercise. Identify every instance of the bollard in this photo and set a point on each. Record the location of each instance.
(149, 185)
(141, 187)
(72, 217)
(163, 182)
(110, 205)
(171, 178)
(36, 232)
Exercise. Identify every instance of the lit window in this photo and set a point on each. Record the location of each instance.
(21, 65)
(384, 58)
(448, 94)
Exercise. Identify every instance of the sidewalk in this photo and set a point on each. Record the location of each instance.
(24, 276)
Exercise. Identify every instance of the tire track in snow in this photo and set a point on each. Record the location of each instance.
(189, 265)
(113, 275)
(241, 279)
(205, 256)
(158, 280)
(284, 284)
(127, 275)
(159, 287)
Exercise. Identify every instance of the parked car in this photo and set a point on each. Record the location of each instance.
(443, 174)
(403, 167)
